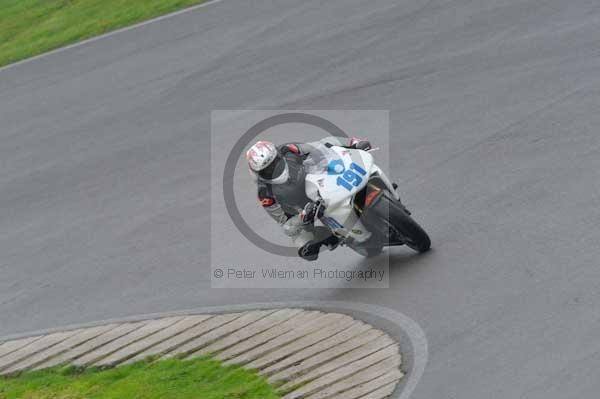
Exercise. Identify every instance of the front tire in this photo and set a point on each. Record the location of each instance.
(414, 235)
(399, 225)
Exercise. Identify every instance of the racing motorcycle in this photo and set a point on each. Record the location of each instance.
(360, 204)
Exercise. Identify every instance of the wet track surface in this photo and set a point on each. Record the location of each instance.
(104, 168)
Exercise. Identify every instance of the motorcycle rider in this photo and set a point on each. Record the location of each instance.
(280, 176)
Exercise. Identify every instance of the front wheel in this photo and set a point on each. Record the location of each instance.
(413, 234)
(397, 226)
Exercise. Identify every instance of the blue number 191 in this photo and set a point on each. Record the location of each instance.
(350, 178)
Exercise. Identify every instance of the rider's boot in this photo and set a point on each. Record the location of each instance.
(331, 242)
(310, 250)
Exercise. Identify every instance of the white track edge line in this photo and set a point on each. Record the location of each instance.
(108, 34)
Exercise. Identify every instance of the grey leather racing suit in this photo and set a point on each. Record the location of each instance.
(284, 201)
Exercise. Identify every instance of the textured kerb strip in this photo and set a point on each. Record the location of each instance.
(307, 354)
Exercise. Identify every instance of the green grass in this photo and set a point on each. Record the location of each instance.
(201, 378)
(31, 27)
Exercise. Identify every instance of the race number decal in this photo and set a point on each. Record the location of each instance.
(350, 178)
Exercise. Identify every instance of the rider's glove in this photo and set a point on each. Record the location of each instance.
(311, 211)
(360, 144)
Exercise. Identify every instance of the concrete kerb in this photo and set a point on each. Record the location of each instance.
(403, 329)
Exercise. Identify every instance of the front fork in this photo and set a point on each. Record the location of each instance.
(392, 187)
(388, 183)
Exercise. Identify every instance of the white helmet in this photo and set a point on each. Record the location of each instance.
(265, 161)
(261, 155)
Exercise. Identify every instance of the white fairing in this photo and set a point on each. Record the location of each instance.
(334, 176)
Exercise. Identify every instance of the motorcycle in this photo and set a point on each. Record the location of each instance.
(361, 205)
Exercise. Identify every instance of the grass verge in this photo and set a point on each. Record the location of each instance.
(199, 378)
(31, 27)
